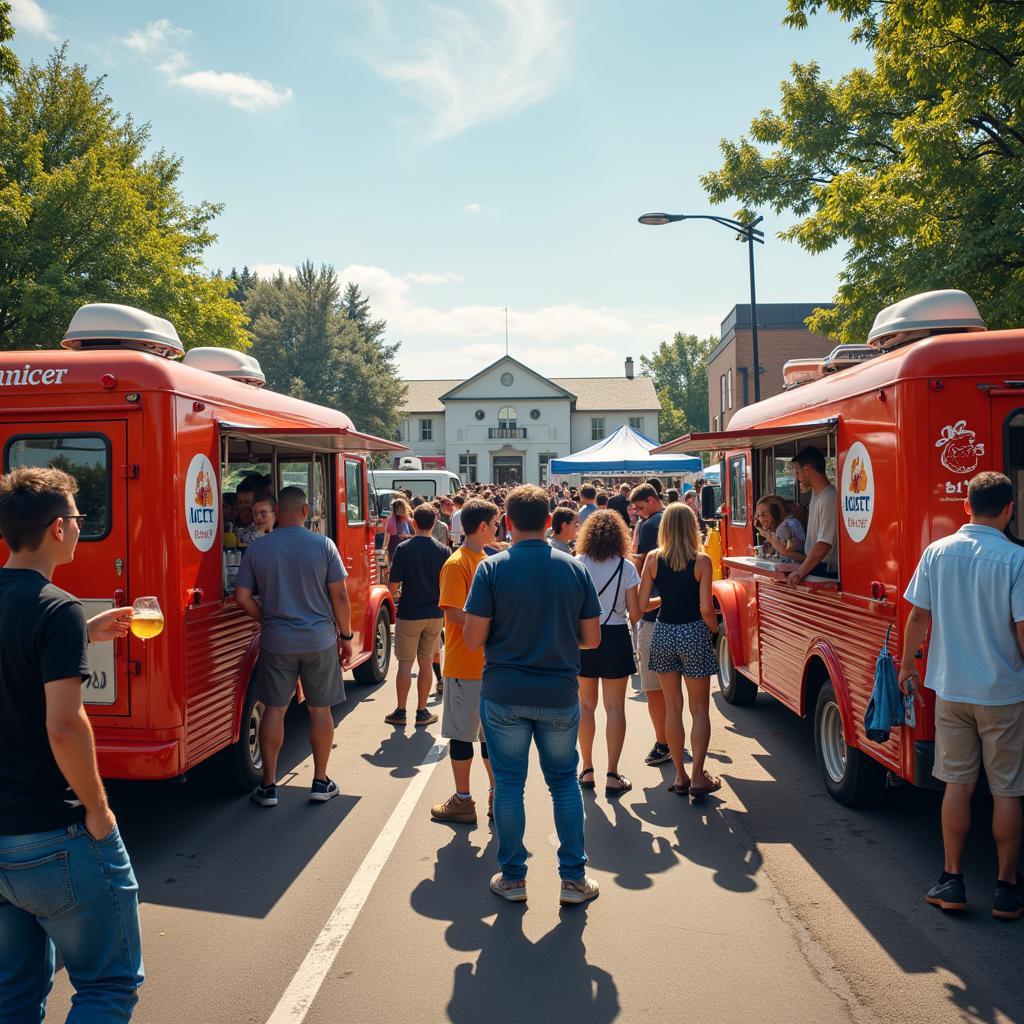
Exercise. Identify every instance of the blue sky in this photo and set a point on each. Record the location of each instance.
(461, 156)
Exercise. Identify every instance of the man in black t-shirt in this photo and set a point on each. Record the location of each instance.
(75, 887)
(647, 502)
(416, 570)
(620, 503)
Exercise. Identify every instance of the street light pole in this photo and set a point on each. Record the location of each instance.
(748, 233)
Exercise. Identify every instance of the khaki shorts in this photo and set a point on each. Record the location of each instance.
(276, 675)
(460, 719)
(417, 638)
(969, 735)
(648, 679)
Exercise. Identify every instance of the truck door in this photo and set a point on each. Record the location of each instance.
(1008, 452)
(357, 550)
(95, 454)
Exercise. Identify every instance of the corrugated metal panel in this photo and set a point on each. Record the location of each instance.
(214, 648)
(790, 622)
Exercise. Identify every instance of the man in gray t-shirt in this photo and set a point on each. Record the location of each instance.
(821, 547)
(303, 606)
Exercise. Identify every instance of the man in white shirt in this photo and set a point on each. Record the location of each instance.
(821, 550)
(455, 526)
(969, 588)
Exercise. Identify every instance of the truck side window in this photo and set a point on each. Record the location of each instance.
(86, 457)
(1013, 456)
(738, 490)
(355, 506)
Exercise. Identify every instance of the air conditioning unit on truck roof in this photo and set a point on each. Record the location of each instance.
(947, 311)
(226, 362)
(108, 325)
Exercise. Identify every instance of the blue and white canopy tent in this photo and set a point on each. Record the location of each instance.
(622, 452)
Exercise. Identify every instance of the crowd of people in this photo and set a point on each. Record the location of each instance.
(549, 600)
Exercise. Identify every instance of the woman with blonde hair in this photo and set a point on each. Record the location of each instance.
(397, 527)
(682, 645)
(602, 545)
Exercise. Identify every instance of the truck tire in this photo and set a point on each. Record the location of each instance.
(242, 762)
(736, 688)
(851, 777)
(374, 670)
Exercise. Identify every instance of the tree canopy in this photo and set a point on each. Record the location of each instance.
(679, 369)
(87, 214)
(915, 165)
(308, 346)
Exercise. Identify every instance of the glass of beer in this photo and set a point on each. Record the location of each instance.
(147, 618)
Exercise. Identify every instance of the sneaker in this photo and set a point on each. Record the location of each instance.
(425, 717)
(397, 717)
(507, 889)
(949, 892)
(578, 891)
(264, 796)
(323, 789)
(1008, 902)
(455, 808)
(659, 755)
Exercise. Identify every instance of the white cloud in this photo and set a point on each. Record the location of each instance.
(473, 208)
(476, 63)
(29, 16)
(164, 44)
(429, 278)
(271, 270)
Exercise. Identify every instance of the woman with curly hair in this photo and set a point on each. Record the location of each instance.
(602, 545)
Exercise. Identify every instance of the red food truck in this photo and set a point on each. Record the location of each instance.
(904, 425)
(153, 443)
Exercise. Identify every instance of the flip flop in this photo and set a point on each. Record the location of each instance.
(682, 790)
(586, 785)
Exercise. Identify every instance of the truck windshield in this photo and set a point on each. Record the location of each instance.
(86, 457)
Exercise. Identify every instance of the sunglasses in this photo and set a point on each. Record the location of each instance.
(79, 517)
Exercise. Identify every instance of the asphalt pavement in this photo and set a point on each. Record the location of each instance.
(768, 902)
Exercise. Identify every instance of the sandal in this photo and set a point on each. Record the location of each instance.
(624, 785)
(586, 785)
(713, 785)
(682, 789)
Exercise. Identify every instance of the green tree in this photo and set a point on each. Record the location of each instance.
(241, 284)
(915, 165)
(679, 369)
(309, 347)
(9, 66)
(87, 216)
(357, 309)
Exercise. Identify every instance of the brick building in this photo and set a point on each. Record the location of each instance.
(781, 335)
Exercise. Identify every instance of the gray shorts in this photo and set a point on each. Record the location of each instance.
(460, 717)
(277, 674)
(648, 678)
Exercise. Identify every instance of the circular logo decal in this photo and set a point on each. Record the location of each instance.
(858, 492)
(202, 507)
(506, 379)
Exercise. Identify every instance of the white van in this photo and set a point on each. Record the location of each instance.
(430, 483)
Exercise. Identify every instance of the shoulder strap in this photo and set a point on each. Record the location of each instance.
(617, 576)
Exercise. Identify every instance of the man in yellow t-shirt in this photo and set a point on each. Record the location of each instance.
(463, 668)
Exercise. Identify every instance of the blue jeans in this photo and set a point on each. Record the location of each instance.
(509, 730)
(64, 889)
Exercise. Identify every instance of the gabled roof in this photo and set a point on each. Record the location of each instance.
(593, 394)
(497, 362)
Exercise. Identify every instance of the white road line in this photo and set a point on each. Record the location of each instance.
(299, 995)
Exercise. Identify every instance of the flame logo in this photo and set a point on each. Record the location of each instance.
(204, 490)
(859, 480)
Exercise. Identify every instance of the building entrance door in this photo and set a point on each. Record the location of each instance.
(507, 470)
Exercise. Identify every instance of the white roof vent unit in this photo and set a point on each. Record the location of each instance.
(108, 325)
(919, 316)
(226, 362)
(801, 371)
(410, 462)
(842, 357)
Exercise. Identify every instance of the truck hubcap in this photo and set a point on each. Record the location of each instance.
(380, 646)
(833, 744)
(255, 717)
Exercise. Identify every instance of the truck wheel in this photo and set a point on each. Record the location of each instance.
(851, 777)
(243, 761)
(375, 669)
(736, 688)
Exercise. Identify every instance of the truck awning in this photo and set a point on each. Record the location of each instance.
(751, 437)
(317, 439)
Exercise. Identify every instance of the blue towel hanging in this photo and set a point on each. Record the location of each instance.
(885, 709)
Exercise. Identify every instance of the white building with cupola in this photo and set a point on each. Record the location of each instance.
(506, 423)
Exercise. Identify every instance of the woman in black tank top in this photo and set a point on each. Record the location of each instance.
(682, 645)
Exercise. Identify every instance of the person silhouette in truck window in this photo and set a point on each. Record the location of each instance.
(821, 548)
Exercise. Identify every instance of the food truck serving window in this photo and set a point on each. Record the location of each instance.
(86, 457)
(738, 490)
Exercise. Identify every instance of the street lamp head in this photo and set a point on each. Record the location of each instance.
(660, 218)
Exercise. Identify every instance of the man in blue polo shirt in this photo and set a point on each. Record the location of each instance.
(969, 587)
(532, 608)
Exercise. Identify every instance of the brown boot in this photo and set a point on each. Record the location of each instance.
(455, 808)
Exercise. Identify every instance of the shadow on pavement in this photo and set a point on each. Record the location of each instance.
(191, 848)
(879, 861)
(402, 751)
